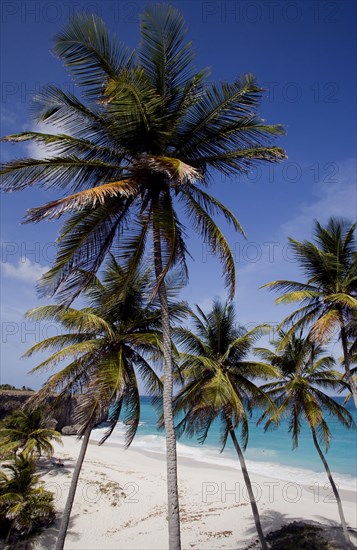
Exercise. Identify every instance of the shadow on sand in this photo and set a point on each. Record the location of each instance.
(329, 529)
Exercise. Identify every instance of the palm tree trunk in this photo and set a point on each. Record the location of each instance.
(334, 488)
(72, 490)
(7, 540)
(171, 455)
(248, 484)
(347, 364)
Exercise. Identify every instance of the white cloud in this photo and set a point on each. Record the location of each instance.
(25, 270)
(39, 150)
(337, 196)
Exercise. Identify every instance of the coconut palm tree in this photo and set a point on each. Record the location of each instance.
(107, 344)
(329, 295)
(298, 393)
(26, 431)
(218, 382)
(351, 332)
(136, 151)
(24, 504)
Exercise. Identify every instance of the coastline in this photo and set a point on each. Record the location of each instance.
(348, 494)
(121, 501)
(154, 445)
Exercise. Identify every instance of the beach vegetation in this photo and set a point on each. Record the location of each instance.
(25, 506)
(106, 346)
(328, 296)
(218, 383)
(351, 341)
(305, 373)
(26, 431)
(134, 153)
(14, 388)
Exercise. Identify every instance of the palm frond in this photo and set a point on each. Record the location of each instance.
(64, 145)
(90, 53)
(83, 200)
(163, 54)
(205, 226)
(323, 329)
(85, 232)
(57, 172)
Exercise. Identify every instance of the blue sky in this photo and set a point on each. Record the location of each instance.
(303, 53)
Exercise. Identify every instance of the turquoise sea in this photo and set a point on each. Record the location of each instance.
(269, 454)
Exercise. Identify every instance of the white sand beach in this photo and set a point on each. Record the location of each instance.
(121, 502)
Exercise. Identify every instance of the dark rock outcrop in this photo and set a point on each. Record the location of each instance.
(61, 411)
(70, 430)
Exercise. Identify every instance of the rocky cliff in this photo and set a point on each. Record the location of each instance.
(63, 411)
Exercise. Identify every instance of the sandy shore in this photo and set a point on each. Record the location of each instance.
(121, 502)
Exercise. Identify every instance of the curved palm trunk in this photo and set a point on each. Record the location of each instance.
(334, 488)
(171, 455)
(248, 484)
(347, 362)
(72, 491)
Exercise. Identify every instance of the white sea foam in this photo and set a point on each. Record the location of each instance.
(155, 443)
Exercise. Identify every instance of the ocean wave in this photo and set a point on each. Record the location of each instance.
(154, 443)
